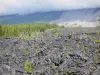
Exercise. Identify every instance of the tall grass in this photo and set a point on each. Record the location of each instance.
(24, 30)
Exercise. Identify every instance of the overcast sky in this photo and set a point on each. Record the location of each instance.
(31, 6)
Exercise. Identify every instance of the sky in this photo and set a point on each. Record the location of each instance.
(8, 7)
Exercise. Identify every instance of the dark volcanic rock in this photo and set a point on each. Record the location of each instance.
(74, 54)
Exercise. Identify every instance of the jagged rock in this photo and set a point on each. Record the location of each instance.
(70, 54)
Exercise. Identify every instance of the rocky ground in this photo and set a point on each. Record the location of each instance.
(79, 23)
(54, 52)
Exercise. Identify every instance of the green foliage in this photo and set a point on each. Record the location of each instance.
(24, 30)
(0, 50)
(68, 72)
(54, 67)
(68, 46)
(55, 32)
(36, 52)
(26, 52)
(28, 66)
(98, 31)
(62, 26)
(66, 54)
(0, 30)
(96, 58)
(83, 50)
(97, 41)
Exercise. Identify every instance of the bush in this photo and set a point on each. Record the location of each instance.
(54, 67)
(24, 30)
(28, 66)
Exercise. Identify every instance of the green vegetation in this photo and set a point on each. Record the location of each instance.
(36, 52)
(35, 49)
(54, 67)
(55, 32)
(66, 54)
(96, 58)
(95, 39)
(0, 50)
(24, 30)
(83, 50)
(26, 52)
(68, 46)
(28, 66)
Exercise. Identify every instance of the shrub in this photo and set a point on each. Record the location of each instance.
(96, 58)
(54, 67)
(24, 30)
(26, 52)
(28, 66)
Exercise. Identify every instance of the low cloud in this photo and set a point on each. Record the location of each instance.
(32, 6)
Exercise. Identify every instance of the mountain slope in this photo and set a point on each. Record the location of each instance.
(54, 16)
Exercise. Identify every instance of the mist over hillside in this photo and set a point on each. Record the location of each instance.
(88, 15)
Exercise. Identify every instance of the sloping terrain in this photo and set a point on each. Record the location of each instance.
(88, 15)
(74, 51)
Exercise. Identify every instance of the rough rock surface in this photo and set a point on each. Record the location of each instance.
(71, 54)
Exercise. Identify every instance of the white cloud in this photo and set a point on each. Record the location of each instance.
(30, 6)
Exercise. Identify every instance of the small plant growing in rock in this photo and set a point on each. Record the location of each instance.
(96, 58)
(0, 50)
(70, 49)
(98, 31)
(43, 64)
(66, 71)
(54, 67)
(42, 71)
(36, 52)
(26, 52)
(66, 54)
(94, 38)
(68, 46)
(97, 41)
(54, 32)
(63, 42)
(98, 51)
(6, 54)
(83, 50)
(28, 66)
